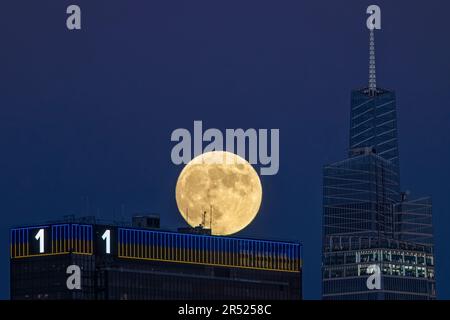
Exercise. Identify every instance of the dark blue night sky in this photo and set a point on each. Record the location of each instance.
(90, 113)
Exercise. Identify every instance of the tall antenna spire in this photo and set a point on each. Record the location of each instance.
(372, 66)
(373, 22)
(204, 219)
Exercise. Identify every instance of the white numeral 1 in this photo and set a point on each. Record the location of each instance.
(107, 236)
(40, 236)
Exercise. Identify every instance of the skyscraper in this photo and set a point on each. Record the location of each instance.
(377, 243)
(373, 124)
(120, 262)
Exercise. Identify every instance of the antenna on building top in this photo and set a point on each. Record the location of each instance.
(372, 66)
(373, 22)
(210, 217)
(204, 219)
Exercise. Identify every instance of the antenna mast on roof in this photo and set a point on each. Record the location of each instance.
(204, 219)
(373, 22)
(372, 65)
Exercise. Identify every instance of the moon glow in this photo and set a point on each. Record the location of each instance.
(221, 182)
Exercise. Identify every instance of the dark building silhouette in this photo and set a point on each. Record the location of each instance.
(369, 225)
(129, 262)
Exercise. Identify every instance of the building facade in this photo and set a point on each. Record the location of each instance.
(406, 269)
(128, 263)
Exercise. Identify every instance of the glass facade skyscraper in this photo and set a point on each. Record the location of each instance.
(359, 194)
(372, 230)
(367, 222)
(373, 123)
(414, 220)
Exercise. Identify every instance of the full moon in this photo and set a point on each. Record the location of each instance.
(219, 190)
